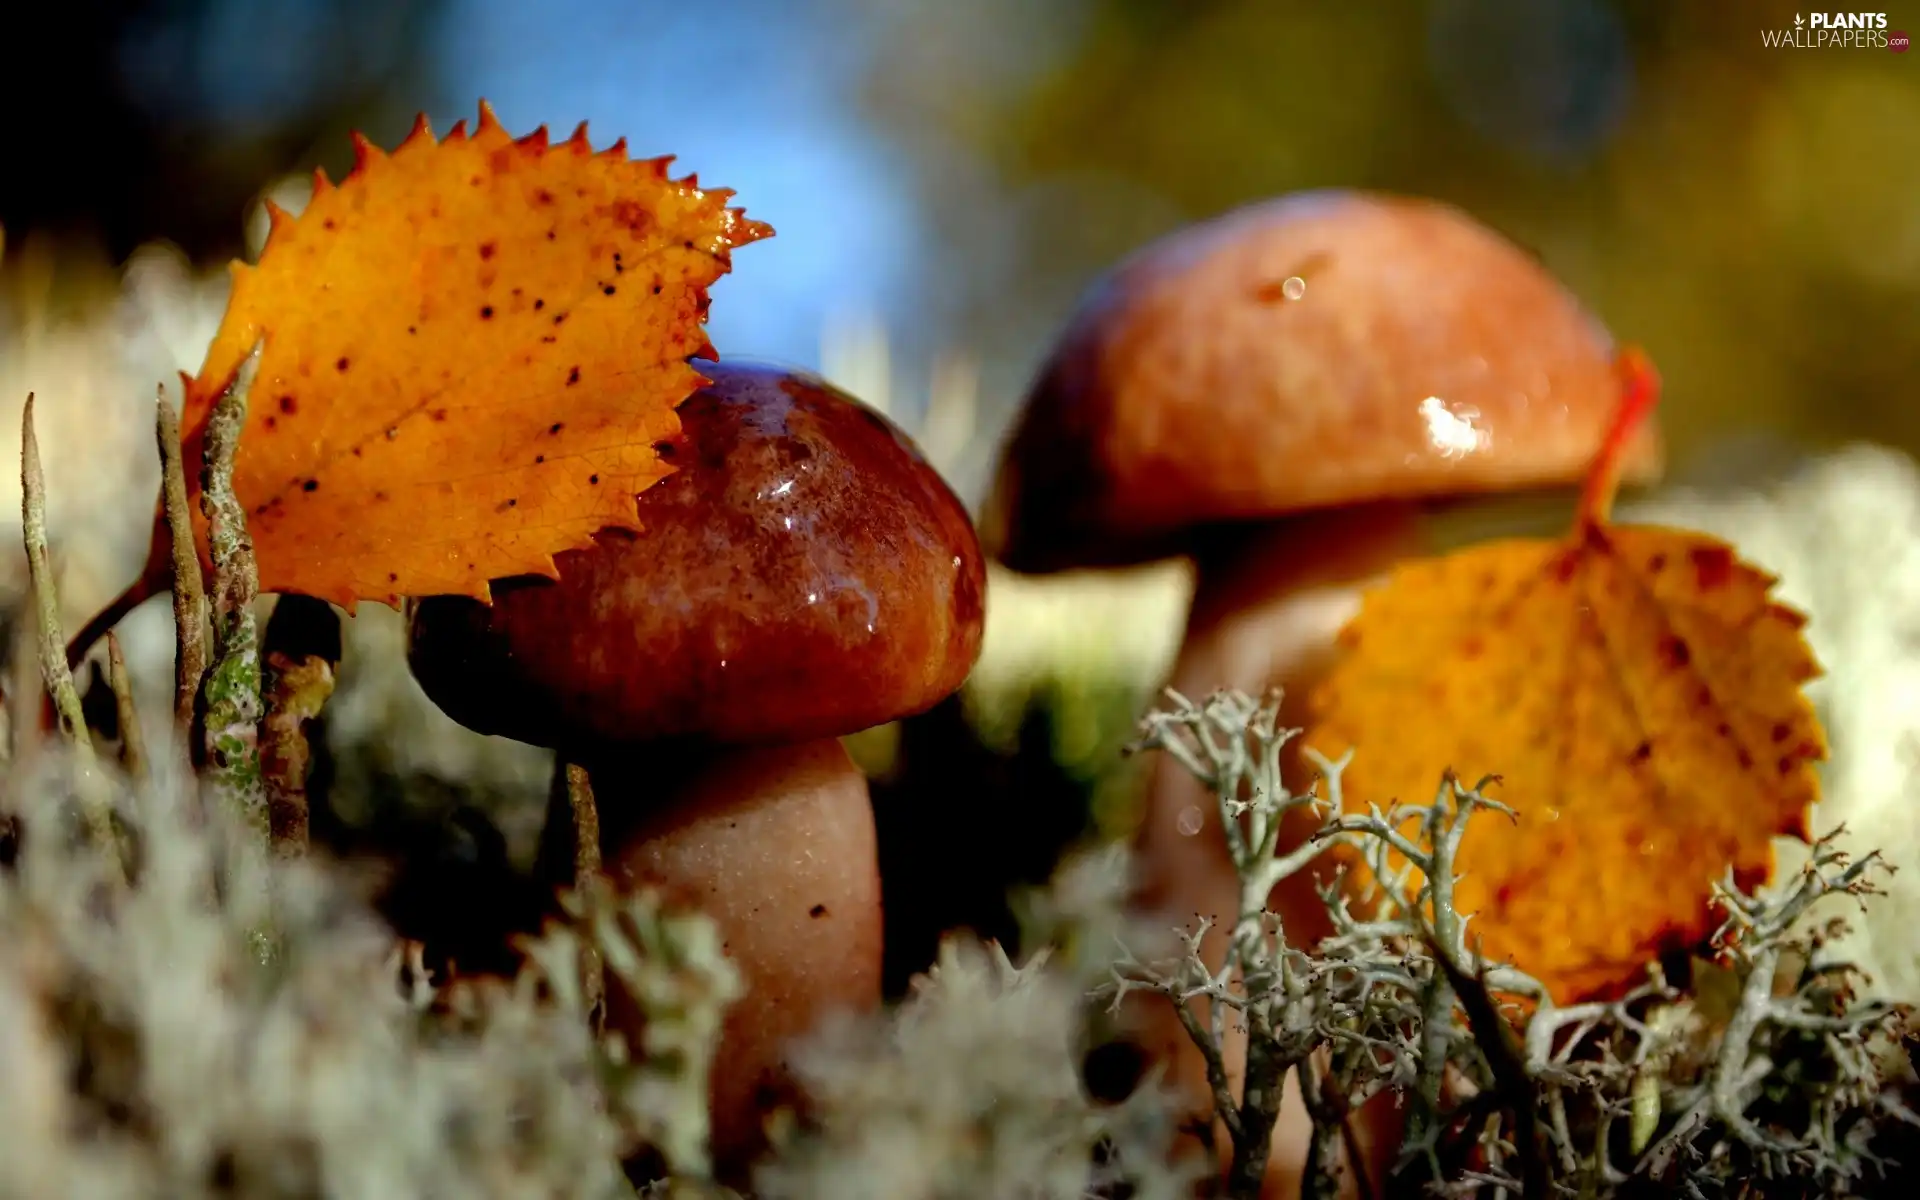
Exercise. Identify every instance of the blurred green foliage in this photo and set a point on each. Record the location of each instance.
(1750, 215)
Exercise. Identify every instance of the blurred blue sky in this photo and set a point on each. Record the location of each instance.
(760, 102)
(762, 96)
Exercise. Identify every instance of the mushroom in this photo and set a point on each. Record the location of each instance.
(803, 575)
(1283, 393)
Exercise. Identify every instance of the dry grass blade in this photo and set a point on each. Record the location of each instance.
(586, 869)
(93, 789)
(133, 742)
(189, 597)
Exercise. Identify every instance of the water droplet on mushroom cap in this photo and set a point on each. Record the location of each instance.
(803, 574)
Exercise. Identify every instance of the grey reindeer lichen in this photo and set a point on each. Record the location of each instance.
(1507, 1093)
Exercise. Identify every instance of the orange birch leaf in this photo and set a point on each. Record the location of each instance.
(1640, 697)
(474, 347)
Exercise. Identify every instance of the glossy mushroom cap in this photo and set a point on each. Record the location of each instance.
(1317, 350)
(803, 574)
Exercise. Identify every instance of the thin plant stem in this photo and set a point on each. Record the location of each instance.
(302, 654)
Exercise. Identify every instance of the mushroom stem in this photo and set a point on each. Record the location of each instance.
(777, 845)
(1266, 610)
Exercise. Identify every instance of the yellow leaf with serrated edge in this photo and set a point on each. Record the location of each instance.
(472, 348)
(1640, 696)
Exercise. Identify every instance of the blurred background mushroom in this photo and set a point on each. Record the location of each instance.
(947, 180)
(803, 575)
(1338, 364)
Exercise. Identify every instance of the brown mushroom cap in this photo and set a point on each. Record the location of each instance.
(1320, 349)
(803, 574)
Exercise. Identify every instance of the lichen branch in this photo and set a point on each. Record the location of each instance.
(232, 687)
(1512, 1094)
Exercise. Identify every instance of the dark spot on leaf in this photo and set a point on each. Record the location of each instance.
(311, 485)
(392, 578)
(330, 223)
(542, 196)
(1642, 752)
(1657, 564)
(538, 304)
(1745, 759)
(486, 312)
(607, 289)
(573, 376)
(413, 329)
(289, 405)
(486, 250)
(656, 289)
(539, 458)
(271, 422)
(551, 235)
(439, 414)
(1712, 565)
(593, 479)
(380, 496)
(560, 319)
(817, 911)
(555, 427)
(665, 449)
(1782, 732)
(548, 339)
(1675, 652)
(342, 363)
(633, 215)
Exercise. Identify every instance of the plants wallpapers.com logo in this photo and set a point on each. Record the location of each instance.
(1837, 31)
